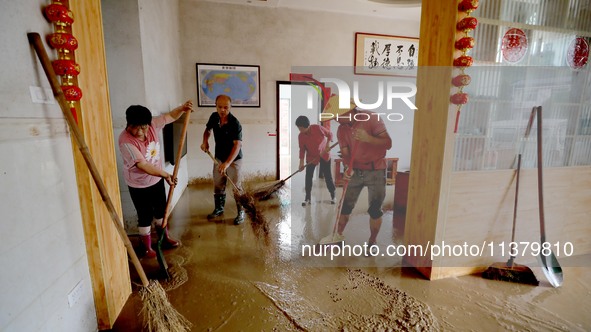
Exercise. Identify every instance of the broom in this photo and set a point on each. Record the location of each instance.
(159, 315)
(159, 252)
(266, 192)
(511, 271)
(246, 200)
(332, 239)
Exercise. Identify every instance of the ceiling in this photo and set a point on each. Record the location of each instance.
(395, 9)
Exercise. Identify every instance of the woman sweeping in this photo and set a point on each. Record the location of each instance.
(142, 170)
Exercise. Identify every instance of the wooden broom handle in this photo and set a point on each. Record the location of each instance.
(176, 169)
(216, 162)
(35, 41)
(299, 170)
(530, 122)
(540, 178)
(345, 186)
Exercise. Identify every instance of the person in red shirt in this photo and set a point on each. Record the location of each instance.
(142, 169)
(313, 141)
(363, 140)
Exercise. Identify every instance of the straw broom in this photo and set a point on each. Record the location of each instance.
(159, 315)
(246, 200)
(265, 193)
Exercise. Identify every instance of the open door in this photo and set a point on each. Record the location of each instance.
(293, 99)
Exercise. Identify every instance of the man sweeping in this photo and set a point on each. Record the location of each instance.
(313, 143)
(227, 134)
(363, 140)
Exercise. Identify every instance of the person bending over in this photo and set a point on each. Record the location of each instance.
(364, 140)
(142, 169)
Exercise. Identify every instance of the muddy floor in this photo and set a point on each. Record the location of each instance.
(232, 278)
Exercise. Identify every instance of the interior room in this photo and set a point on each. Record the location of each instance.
(487, 184)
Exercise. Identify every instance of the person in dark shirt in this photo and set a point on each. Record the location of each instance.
(227, 134)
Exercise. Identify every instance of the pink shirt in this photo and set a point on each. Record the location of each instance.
(367, 156)
(134, 150)
(313, 142)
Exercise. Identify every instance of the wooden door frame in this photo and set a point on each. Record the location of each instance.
(106, 254)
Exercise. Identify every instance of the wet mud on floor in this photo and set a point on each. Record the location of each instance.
(226, 279)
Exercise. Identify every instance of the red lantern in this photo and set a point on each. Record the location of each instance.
(468, 5)
(72, 92)
(64, 41)
(467, 24)
(59, 14)
(463, 61)
(461, 80)
(459, 98)
(465, 43)
(66, 67)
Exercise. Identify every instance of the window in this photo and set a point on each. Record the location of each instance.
(527, 53)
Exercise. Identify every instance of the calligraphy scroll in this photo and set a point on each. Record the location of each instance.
(386, 55)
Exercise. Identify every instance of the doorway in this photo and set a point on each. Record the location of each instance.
(293, 99)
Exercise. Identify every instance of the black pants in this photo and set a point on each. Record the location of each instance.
(325, 170)
(149, 203)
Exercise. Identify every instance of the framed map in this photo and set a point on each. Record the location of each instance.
(386, 55)
(240, 82)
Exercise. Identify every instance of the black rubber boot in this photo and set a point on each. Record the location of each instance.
(220, 201)
(240, 217)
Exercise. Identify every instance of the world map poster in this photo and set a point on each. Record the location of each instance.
(240, 82)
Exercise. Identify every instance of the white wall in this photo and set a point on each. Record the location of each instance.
(142, 44)
(277, 39)
(42, 250)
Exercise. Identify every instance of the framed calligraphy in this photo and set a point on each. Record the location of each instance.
(240, 82)
(386, 55)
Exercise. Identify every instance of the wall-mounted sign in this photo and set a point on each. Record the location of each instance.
(386, 55)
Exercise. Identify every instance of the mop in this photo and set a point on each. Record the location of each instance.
(159, 314)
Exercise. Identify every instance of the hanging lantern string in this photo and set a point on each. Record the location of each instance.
(464, 44)
(59, 13)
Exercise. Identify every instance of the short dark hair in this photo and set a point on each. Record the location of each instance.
(138, 115)
(302, 121)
